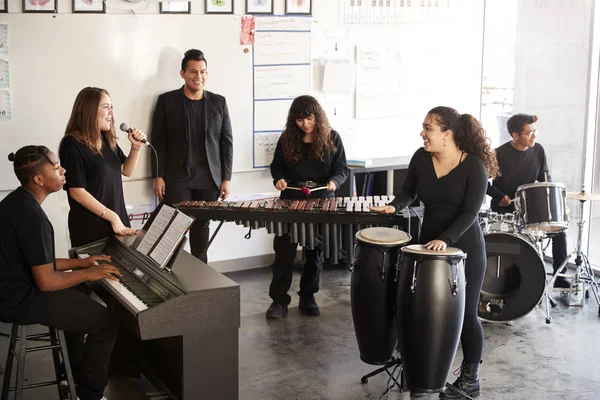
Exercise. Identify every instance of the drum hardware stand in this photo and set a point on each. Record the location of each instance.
(584, 274)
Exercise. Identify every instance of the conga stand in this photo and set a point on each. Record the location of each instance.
(396, 376)
(396, 379)
(584, 274)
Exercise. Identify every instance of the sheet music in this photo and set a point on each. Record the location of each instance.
(168, 243)
(156, 229)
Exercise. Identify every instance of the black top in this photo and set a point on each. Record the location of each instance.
(26, 240)
(332, 168)
(452, 202)
(100, 175)
(195, 173)
(170, 130)
(517, 168)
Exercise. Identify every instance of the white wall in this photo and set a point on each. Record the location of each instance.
(449, 73)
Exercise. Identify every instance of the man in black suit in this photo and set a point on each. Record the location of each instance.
(191, 132)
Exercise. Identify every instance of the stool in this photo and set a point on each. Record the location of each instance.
(59, 349)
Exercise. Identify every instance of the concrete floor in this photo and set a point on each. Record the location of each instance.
(310, 358)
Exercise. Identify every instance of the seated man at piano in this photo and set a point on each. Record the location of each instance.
(309, 156)
(36, 287)
(522, 160)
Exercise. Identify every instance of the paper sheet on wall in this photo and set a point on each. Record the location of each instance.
(281, 48)
(281, 81)
(338, 77)
(4, 75)
(281, 72)
(378, 83)
(336, 45)
(5, 113)
(3, 37)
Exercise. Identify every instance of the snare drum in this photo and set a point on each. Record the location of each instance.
(373, 291)
(498, 222)
(541, 207)
(429, 314)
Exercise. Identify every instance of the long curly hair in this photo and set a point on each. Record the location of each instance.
(292, 136)
(83, 123)
(469, 136)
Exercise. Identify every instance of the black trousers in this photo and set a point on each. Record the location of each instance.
(73, 311)
(559, 249)
(200, 231)
(285, 252)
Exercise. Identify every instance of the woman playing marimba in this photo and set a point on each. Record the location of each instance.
(449, 176)
(309, 154)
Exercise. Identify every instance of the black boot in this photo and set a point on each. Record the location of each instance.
(468, 382)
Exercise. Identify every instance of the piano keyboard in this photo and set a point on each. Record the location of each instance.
(129, 289)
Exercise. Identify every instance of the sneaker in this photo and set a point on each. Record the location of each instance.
(277, 310)
(309, 307)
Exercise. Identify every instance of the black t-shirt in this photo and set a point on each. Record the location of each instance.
(332, 168)
(100, 175)
(195, 173)
(452, 202)
(517, 168)
(26, 240)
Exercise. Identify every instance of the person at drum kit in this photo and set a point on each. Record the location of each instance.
(449, 176)
(523, 161)
(308, 154)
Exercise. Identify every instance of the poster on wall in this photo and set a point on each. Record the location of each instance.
(3, 38)
(4, 75)
(4, 105)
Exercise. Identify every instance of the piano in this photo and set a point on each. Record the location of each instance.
(186, 321)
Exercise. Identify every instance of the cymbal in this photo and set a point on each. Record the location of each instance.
(583, 196)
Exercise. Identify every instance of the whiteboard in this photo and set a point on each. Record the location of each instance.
(134, 57)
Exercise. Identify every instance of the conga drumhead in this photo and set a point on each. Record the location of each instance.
(420, 249)
(383, 236)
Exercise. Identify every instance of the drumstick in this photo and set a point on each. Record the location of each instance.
(309, 191)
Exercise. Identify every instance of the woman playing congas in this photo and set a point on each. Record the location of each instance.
(449, 176)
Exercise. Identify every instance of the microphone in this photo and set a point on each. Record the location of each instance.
(125, 128)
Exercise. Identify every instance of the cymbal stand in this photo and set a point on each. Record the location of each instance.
(584, 274)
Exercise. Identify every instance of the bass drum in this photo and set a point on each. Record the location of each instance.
(515, 277)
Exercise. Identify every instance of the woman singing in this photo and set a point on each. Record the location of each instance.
(449, 176)
(307, 151)
(94, 163)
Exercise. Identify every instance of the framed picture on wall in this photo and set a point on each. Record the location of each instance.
(298, 7)
(39, 6)
(218, 6)
(175, 7)
(259, 6)
(3, 6)
(89, 6)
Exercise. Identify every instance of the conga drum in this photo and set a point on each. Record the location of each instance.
(373, 291)
(429, 314)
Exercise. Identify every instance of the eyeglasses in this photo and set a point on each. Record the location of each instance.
(530, 133)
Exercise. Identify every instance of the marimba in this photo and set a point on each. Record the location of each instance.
(329, 223)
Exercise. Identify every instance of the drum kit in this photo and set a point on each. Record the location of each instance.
(411, 299)
(515, 278)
